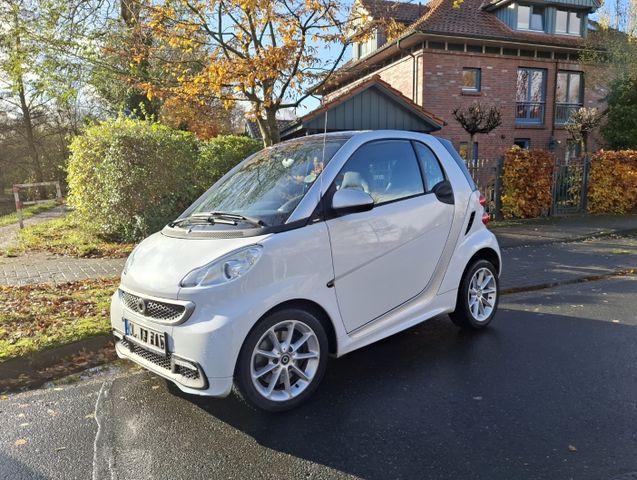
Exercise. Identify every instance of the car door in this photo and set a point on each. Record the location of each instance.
(385, 256)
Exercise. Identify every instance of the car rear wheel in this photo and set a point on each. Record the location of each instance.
(477, 297)
(282, 360)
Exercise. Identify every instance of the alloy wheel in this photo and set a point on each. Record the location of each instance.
(285, 360)
(482, 294)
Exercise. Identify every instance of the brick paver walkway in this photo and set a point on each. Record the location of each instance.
(42, 267)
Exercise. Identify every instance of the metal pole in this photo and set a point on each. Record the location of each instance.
(584, 193)
(499, 167)
(18, 205)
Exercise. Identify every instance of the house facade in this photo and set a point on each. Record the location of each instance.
(521, 56)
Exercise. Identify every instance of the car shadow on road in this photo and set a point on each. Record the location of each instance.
(508, 400)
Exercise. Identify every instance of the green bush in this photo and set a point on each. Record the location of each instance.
(620, 130)
(220, 154)
(127, 178)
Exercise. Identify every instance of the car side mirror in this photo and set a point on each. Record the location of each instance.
(349, 200)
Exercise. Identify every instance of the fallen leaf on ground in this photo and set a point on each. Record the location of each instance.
(20, 441)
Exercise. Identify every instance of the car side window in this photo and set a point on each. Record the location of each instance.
(431, 166)
(387, 170)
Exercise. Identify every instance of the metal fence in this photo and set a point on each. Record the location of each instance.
(487, 173)
(569, 189)
(570, 186)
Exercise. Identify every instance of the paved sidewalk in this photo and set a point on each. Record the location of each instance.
(561, 229)
(8, 233)
(43, 267)
(529, 266)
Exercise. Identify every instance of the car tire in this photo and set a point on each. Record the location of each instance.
(274, 373)
(478, 296)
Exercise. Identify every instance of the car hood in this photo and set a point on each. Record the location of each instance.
(161, 262)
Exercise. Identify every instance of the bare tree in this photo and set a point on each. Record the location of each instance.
(478, 118)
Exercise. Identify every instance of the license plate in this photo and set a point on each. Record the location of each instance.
(145, 336)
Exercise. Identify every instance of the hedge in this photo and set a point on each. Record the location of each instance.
(220, 154)
(128, 178)
(612, 186)
(527, 180)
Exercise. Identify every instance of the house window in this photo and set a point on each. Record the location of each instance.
(365, 48)
(530, 17)
(524, 143)
(569, 93)
(530, 95)
(568, 23)
(471, 79)
(465, 153)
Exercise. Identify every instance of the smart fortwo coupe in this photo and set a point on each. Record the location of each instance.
(313, 247)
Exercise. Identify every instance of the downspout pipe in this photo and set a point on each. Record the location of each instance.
(414, 94)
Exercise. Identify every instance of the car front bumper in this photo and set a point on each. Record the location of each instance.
(196, 359)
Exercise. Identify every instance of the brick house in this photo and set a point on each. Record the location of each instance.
(522, 56)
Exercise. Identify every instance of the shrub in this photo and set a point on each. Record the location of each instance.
(620, 130)
(220, 154)
(612, 186)
(527, 181)
(128, 178)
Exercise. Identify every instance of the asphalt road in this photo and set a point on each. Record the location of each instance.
(549, 392)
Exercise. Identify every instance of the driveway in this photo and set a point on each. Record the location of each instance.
(549, 392)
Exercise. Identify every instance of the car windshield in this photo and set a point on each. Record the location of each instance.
(268, 187)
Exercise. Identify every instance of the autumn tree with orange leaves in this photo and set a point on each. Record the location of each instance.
(269, 54)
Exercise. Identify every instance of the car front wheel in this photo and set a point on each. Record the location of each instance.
(282, 360)
(477, 297)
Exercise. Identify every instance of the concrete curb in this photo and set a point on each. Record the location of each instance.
(15, 367)
(591, 278)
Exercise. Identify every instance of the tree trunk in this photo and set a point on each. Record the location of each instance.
(27, 121)
(269, 128)
(472, 149)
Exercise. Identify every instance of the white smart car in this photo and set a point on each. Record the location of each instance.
(313, 247)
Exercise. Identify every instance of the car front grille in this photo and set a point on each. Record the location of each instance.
(153, 309)
(173, 367)
(152, 357)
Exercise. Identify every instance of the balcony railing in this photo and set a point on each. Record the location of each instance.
(529, 112)
(563, 112)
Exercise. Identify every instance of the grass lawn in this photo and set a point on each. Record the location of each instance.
(66, 236)
(37, 317)
(27, 212)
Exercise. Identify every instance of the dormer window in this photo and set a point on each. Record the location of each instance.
(568, 23)
(531, 17)
(364, 48)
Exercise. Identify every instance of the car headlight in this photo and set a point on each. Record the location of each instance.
(224, 269)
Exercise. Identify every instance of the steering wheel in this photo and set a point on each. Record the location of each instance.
(287, 206)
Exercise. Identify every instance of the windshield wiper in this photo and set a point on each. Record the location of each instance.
(235, 218)
(203, 218)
